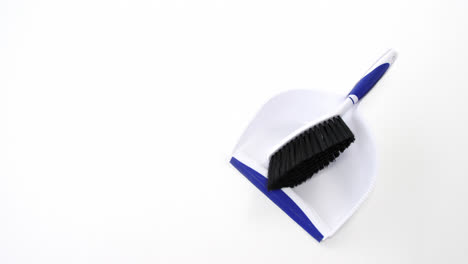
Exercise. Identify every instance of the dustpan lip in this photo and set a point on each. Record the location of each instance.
(279, 197)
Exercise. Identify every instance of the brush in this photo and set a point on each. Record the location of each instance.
(316, 144)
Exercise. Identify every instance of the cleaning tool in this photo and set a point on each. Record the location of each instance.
(315, 145)
(322, 204)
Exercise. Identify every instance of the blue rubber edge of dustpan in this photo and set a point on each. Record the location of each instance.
(281, 199)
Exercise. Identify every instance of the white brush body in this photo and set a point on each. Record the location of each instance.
(388, 58)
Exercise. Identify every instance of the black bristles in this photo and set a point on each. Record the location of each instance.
(309, 152)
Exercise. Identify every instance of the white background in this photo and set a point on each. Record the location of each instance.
(118, 118)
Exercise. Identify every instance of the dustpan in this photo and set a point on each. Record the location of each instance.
(322, 204)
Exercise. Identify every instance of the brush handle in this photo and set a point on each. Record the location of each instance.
(372, 77)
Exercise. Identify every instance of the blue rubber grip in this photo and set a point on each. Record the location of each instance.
(368, 81)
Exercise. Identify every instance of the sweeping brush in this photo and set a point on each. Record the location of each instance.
(315, 145)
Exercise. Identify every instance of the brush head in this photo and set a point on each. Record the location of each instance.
(308, 153)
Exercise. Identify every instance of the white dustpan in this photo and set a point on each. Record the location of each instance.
(322, 204)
